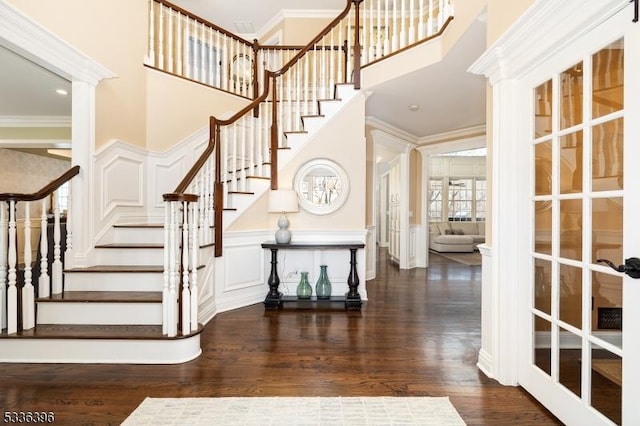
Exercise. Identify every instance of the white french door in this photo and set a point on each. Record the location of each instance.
(583, 123)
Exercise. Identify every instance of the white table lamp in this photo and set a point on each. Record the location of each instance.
(283, 201)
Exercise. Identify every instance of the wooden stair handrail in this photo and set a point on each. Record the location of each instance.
(47, 190)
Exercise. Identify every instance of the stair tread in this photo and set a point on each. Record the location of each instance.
(118, 268)
(105, 296)
(74, 331)
(311, 115)
(296, 132)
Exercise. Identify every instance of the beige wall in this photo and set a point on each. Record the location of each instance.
(343, 141)
(177, 107)
(60, 133)
(114, 34)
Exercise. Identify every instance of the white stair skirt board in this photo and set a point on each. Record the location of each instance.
(113, 281)
(101, 351)
(99, 313)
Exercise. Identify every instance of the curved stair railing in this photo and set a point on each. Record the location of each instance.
(17, 294)
(244, 147)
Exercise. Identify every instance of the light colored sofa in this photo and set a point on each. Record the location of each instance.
(461, 237)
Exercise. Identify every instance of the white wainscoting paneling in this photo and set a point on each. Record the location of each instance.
(371, 250)
(123, 184)
(487, 349)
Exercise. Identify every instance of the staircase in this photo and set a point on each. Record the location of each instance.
(138, 302)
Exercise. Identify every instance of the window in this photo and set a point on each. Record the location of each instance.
(459, 200)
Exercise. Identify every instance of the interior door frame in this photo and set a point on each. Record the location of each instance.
(544, 29)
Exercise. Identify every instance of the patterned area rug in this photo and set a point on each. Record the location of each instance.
(295, 411)
(471, 259)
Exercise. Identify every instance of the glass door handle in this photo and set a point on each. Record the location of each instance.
(631, 266)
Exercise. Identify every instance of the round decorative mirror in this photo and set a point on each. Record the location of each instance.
(322, 186)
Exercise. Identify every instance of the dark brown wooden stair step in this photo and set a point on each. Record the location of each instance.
(105, 297)
(311, 116)
(241, 192)
(73, 331)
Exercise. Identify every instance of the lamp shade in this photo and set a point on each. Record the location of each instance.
(283, 201)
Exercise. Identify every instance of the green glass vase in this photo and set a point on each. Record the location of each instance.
(304, 288)
(323, 285)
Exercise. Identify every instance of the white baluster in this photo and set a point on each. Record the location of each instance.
(371, 42)
(170, 36)
(12, 290)
(209, 208)
(195, 249)
(403, 23)
(307, 86)
(386, 46)
(224, 138)
(203, 64)
(364, 46)
(212, 59)
(68, 227)
(431, 21)
(161, 38)
(380, 33)
(421, 31)
(286, 97)
(3, 264)
(56, 267)
(179, 42)
(252, 147)
(234, 157)
(188, 49)
(28, 298)
(151, 56)
(395, 38)
(441, 14)
(202, 197)
(44, 281)
(339, 56)
(186, 296)
(243, 153)
(298, 70)
(412, 29)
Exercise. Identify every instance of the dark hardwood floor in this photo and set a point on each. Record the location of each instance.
(418, 335)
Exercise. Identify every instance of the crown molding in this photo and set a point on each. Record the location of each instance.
(35, 143)
(35, 121)
(545, 28)
(390, 129)
(455, 135)
(26, 37)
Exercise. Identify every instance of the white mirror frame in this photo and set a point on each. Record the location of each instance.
(324, 163)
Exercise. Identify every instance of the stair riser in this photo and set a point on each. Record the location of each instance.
(120, 281)
(330, 108)
(100, 351)
(313, 124)
(135, 235)
(99, 313)
(129, 256)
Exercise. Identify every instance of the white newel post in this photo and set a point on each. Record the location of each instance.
(165, 270)
(172, 324)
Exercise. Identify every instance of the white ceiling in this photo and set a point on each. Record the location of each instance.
(449, 98)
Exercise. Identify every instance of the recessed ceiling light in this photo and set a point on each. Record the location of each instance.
(414, 107)
(62, 92)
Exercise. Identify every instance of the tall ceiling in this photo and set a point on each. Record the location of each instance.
(449, 98)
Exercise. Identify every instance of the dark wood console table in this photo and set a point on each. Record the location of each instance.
(275, 298)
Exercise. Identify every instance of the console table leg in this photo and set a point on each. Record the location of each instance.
(274, 297)
(353, 302)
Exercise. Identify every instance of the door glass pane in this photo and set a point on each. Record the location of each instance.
(608, 79)
(606, 315)
(543, 227)
(607, 229)
(542, 344)
(542, 281)
(571, 295)
(543, 168)
(571, 229)
(570, 355)
(606, 383)
(571, 82)
(571, 163)
(544, 109)
(606, 163)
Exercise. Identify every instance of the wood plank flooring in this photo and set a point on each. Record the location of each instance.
(418, 335)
